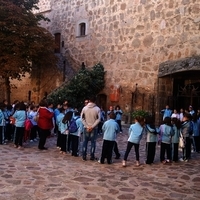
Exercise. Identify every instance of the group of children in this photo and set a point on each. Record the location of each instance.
(17, 123)
(168, 136)
(69, 127)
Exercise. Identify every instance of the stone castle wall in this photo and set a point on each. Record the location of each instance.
(131, 38)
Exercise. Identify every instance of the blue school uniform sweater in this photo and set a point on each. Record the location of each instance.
(20, 117)
(135, 133)
(110, 129)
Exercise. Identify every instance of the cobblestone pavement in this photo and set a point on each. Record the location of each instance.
(31, 174)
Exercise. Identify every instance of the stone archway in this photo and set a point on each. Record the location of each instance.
(182, 65)
(179, 83)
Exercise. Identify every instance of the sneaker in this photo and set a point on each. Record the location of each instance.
(186, 160)
(164, 162)
(99, 161)
(35, 140)
(123, 163)
(118, 156)
(31, 140)
(92, 158)
(181, 159)
(110, 162)
(44, 148)
(147, 163)
(84, 158)
(137, 163)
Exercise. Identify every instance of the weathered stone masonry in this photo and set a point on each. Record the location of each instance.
(131, 38)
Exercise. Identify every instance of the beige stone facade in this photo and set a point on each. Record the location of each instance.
(131, 38)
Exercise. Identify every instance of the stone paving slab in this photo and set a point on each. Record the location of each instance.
(31, 174)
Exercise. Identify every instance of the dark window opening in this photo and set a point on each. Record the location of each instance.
(82, 27)
(29, 95)
(57, 42)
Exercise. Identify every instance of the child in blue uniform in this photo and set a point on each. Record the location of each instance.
(110, 129)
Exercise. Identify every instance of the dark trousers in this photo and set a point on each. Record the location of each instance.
(1, 134)
(128, 149)
(187, 149)
(33, 133)
(107, 151)
(43, 134)
(8, 131)
(174, 151)
(116, 150)
(150, 152)
(197, 143)
(100, 127)
(19, 135)
(165, 148)
(74, 144)
(119, 123)
(63, 143)
(59, 139)
(69, 142)
(56, 128)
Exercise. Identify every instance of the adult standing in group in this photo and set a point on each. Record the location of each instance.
(45, 123)
(167, 112)
(90, 116)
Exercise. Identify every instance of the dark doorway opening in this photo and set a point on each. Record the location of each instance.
(185, 93)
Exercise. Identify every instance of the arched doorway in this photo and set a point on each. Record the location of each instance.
(179, 84)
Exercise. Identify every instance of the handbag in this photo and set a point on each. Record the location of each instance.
(12, 120)
(181, 141)
(28, 125)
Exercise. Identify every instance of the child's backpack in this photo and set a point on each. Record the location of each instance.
(73, 126)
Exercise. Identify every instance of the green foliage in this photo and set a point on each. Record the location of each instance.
(22, 40)
(139, 113)
(84, 84)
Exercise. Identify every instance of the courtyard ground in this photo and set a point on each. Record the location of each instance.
(31, 174)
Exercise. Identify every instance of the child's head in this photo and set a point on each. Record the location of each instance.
(112, 115)
(175, 111)
(67, 117)
(117, 107)
(149, 120)
(140, 120)
(187, 117)
(76, 113)
(167, 121)
(176, 122)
